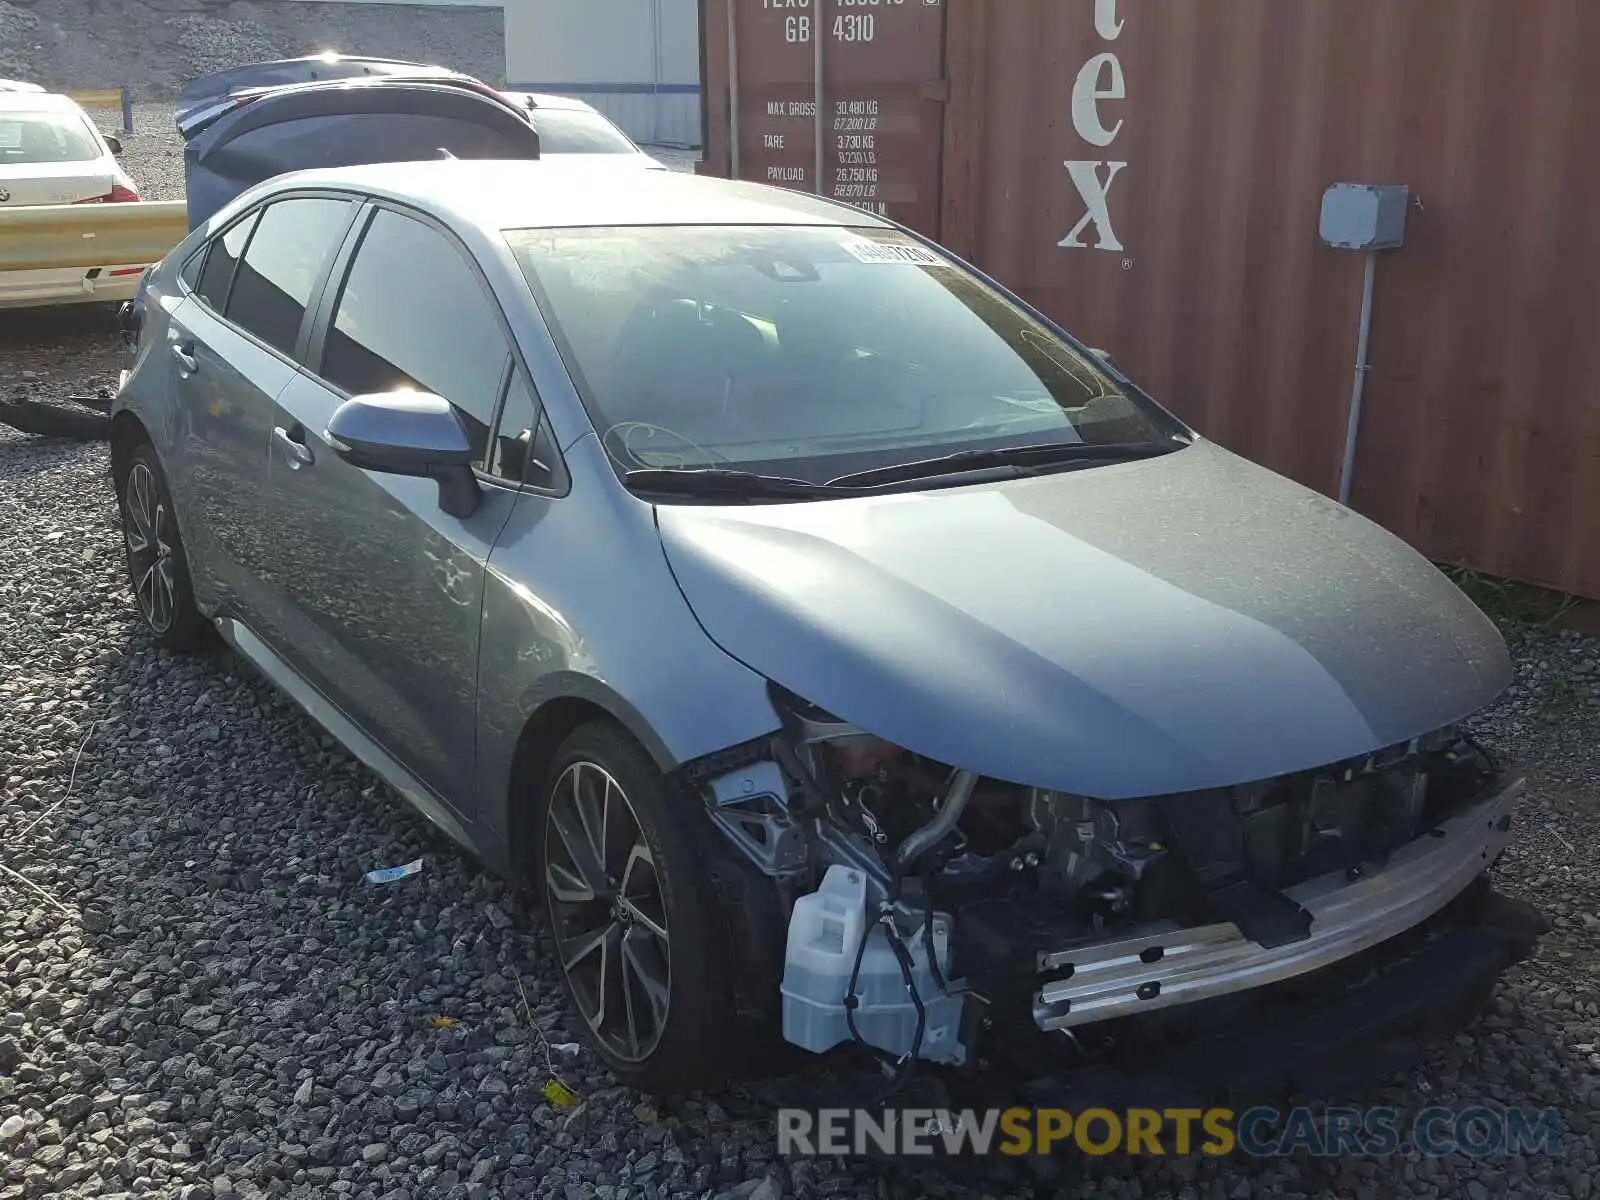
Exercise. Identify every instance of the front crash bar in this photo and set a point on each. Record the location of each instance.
(1166, 965)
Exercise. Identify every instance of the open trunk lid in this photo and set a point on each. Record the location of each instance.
(240, 133)
(212, 92)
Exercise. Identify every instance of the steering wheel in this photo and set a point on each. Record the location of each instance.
(632, 433)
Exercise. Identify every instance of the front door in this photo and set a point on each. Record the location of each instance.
(381, 590)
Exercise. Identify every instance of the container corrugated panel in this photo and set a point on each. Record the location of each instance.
(1150, 172)
(880, 125)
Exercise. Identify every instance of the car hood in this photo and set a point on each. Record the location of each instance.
(1180, 623)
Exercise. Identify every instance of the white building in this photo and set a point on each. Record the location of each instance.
(638, 61)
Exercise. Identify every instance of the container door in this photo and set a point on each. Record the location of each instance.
(842, 98)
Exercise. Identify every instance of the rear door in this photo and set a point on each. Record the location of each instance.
(380, 588)
(233, 351)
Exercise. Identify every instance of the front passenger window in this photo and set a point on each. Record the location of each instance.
(413, 315)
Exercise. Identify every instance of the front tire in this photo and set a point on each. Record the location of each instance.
(158, 567)
(633, 914)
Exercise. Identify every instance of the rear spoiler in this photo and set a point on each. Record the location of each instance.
(230, 144)
(205, 99)
(197, 120)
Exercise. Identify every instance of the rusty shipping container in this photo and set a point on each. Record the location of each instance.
(1150, 172)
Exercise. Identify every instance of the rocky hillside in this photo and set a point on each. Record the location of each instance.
(156, 46)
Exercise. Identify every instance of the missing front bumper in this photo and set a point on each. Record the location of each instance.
(1165, 965)
(1319, 1037)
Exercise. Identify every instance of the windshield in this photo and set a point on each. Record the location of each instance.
(46, 137)
(572, 131)
(808, 352)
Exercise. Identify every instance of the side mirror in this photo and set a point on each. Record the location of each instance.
(113, 142)
(408, 433)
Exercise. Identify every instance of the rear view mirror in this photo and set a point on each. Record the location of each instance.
(408, 433)
(113, 143)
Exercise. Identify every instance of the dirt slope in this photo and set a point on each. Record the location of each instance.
(155, 46)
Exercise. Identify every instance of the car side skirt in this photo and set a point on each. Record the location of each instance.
(342, 729)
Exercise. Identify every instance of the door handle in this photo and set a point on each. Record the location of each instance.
(295, 451)
(186, 360)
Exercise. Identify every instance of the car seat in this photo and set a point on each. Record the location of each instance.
(40, 142)
(677, 363)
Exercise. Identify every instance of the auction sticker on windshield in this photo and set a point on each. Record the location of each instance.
(878, 252)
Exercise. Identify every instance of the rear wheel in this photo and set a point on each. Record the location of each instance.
(158, 568)
(633, 914)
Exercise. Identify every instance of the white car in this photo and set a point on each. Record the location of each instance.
(52, 153)
(567, 125)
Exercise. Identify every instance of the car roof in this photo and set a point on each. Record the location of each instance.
(563, 191)
(37, 102)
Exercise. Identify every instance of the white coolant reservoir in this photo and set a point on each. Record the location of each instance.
(825, 932)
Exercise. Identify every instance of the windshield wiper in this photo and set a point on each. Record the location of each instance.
(710, 481)
(1024, 459)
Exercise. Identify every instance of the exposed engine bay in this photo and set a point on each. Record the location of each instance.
(928, 907)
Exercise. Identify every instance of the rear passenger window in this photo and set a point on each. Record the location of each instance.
(293, 241)
(191, 268)
(414, 315)
(217, 273)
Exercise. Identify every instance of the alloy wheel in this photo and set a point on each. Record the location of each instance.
(607, 911)
(147, 526)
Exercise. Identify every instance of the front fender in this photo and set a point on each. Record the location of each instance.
(561, 686)
(579, 603)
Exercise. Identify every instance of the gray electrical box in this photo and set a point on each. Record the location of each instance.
(1365, 216)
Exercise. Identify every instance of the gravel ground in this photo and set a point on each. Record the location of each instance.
(198, 996)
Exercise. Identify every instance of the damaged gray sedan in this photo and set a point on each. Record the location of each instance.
(846, 655)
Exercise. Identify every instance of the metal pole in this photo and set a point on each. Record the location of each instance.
(733, 89)
(655, 81)
(816, 37)
(1362, 368)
